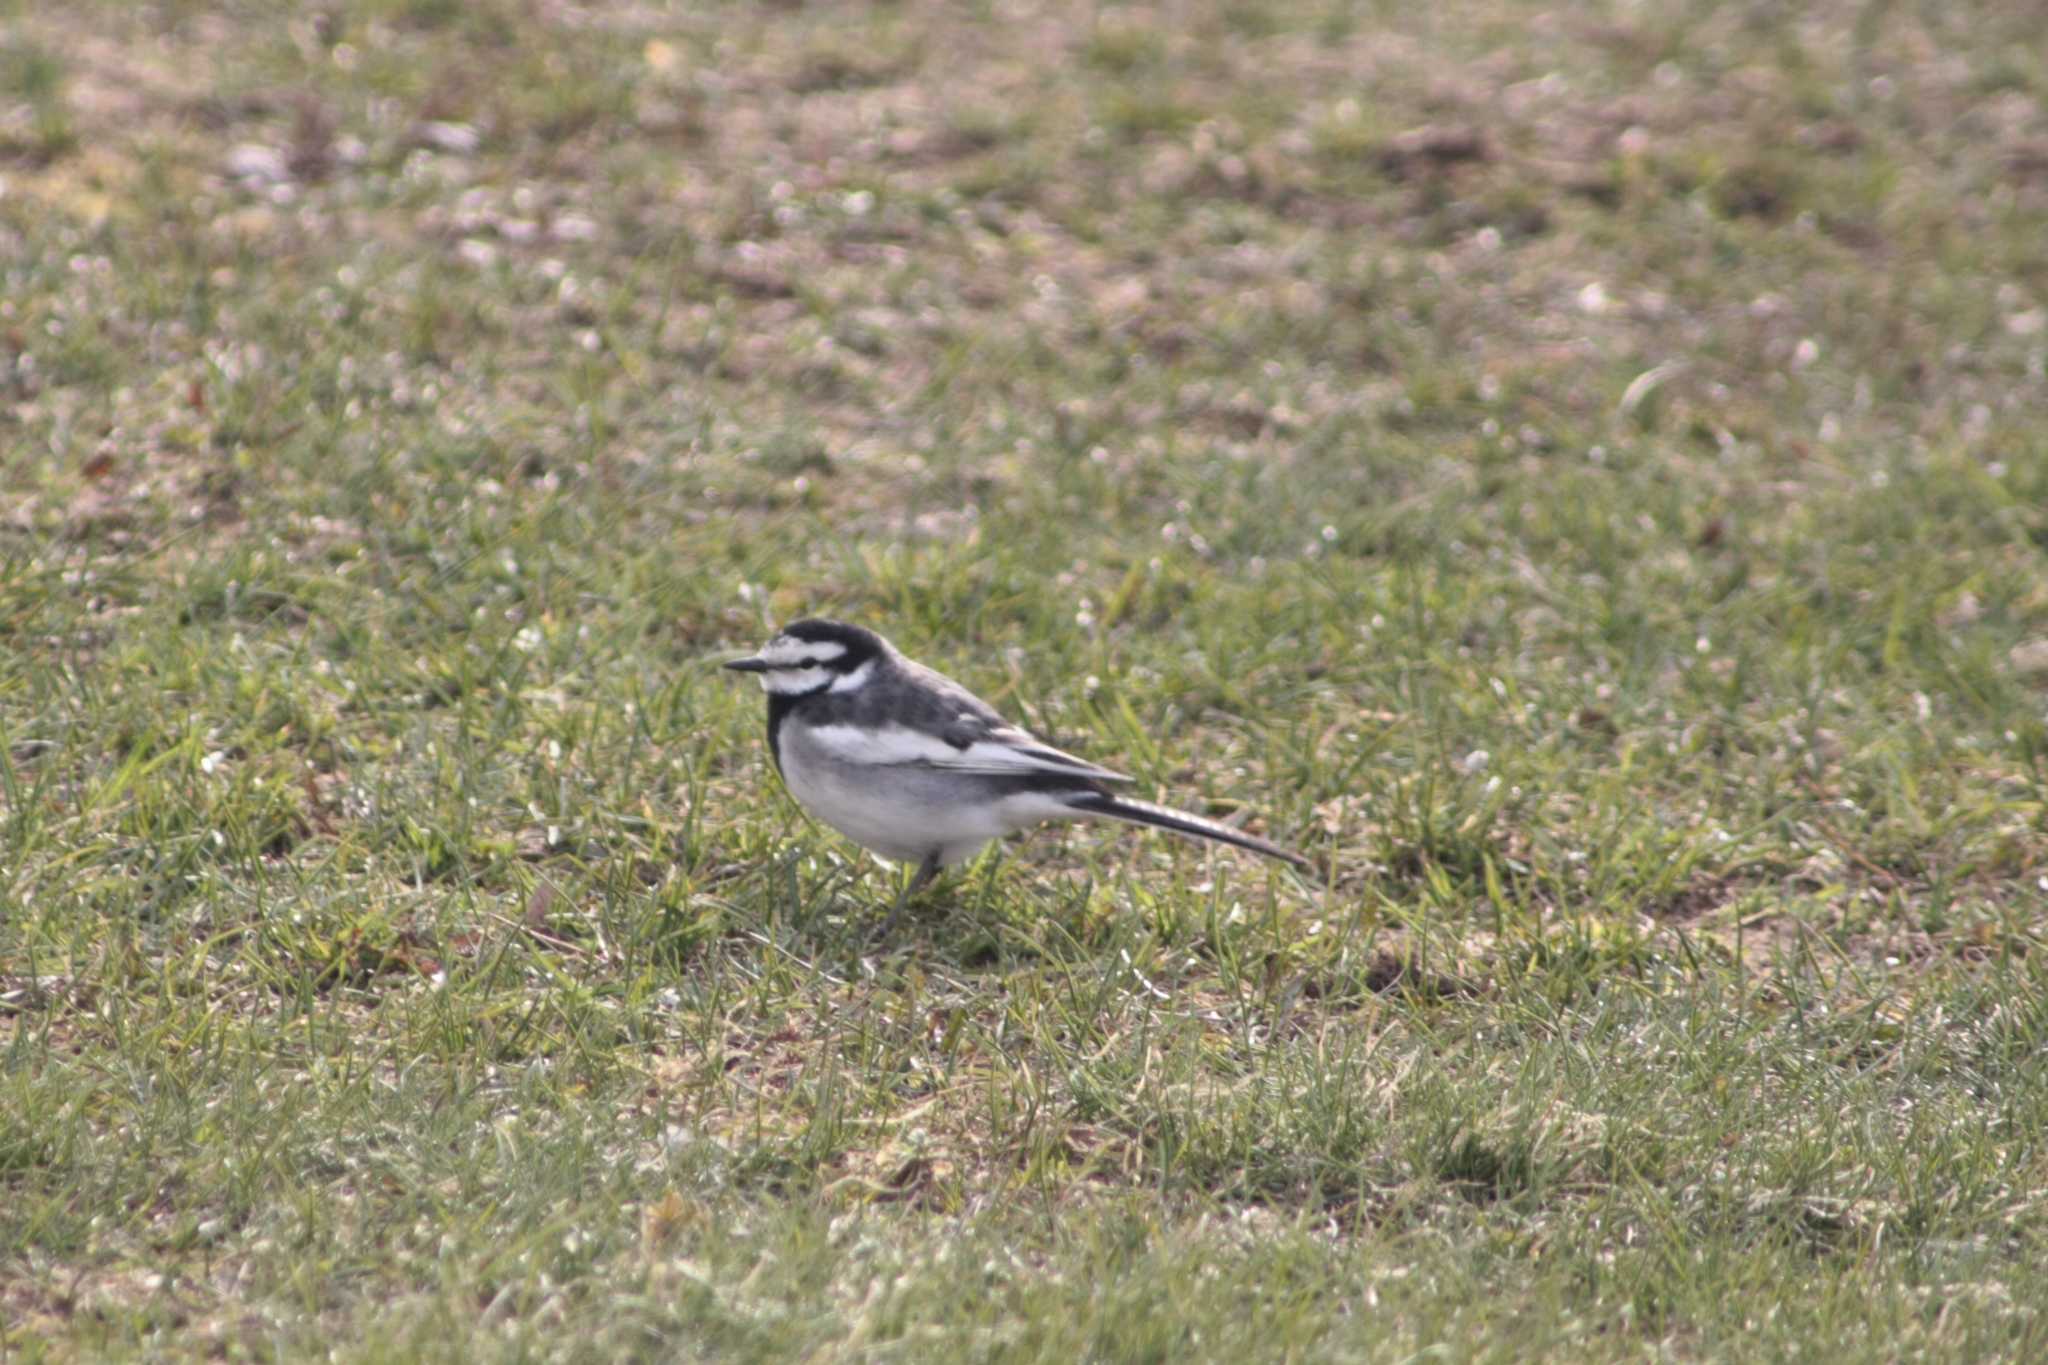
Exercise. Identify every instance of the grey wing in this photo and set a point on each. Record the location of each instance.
(986, 743)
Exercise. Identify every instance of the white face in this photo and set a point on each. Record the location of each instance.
(784, 654)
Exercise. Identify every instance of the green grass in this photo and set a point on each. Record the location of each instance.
(1581, 475)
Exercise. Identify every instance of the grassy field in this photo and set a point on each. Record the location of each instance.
(1579, 471)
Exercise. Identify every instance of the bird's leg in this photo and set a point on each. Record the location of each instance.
(926, 871)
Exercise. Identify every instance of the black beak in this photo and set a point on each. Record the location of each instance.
(745, 665)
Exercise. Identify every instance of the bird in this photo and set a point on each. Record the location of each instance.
(915, 768)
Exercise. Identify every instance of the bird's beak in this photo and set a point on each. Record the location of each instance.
(746, 665)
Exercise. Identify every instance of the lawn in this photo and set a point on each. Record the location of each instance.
(1578, 472)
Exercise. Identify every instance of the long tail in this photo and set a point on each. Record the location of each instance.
(1180, 822)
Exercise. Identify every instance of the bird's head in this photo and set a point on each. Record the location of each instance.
(813, 655)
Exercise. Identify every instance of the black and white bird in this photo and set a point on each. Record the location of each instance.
(911, 765)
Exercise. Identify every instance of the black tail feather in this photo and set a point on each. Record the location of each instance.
(1180, 822)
